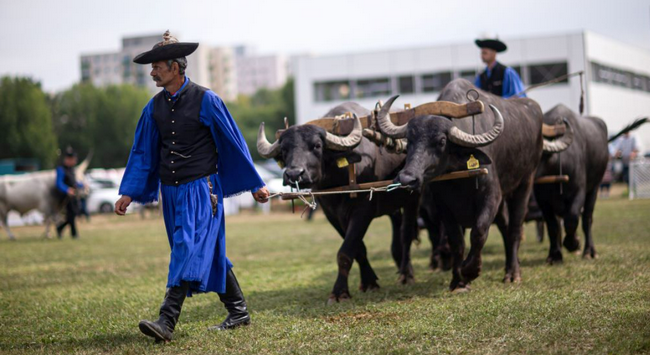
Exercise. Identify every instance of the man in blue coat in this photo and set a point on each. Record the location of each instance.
(497, 78)
(188, 146)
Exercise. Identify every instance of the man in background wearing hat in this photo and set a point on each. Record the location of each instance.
(497, 78)
(67, 187)
(187, 140)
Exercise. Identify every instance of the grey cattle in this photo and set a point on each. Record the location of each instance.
(33, 191)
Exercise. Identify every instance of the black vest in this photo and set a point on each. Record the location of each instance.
(69, 179)
(187, 149)
(494, 84)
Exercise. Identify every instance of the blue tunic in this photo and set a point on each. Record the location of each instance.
(196, 236)
(512, 83)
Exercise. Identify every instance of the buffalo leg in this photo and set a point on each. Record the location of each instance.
(456, 239)
(396, 243)
(409, 233)
(571, 220)
(471, 267)
(554, 234)
(353, 238)
(368, 276)
(517, 205)
(587, 219)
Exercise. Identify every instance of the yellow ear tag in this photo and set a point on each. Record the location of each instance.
(472, 163)
(342, 162)
(281, 164)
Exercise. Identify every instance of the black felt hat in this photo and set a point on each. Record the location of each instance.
(169, 48)
(492, 43)
(69, 152)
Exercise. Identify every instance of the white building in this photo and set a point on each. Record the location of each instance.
(118, 67)
(617, 76)
(255, 72)
(228, 71)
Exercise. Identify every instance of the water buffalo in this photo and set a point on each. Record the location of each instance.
(584, 161)
(511, 148)
(310, 155)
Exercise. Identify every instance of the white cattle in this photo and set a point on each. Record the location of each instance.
(23, 193)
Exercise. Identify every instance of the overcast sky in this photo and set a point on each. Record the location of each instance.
(43, 39)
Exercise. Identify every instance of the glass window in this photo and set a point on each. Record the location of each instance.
(544, 72)
(332, 90)
(373, 88)
(435, 82)
(468, 75)
(406, 84)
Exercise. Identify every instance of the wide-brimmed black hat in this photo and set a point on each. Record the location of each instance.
(69, 152)
(169, 48)
(492, 43)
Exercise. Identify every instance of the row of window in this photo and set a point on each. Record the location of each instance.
(617, 77)
(423, 83)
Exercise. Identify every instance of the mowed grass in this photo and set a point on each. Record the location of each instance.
(87, 296)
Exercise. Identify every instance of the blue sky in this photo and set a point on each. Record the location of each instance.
(43, 39)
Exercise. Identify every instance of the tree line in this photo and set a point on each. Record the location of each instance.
(103, 119)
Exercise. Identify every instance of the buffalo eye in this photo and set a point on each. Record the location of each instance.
(318, 145)
(442, 142)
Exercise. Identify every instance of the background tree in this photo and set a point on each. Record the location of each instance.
(102, 119)
(26, 122)
(268, 106)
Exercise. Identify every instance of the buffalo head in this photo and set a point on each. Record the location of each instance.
(436, 145)
(307, 150)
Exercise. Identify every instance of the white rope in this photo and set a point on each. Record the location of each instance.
(301, 194)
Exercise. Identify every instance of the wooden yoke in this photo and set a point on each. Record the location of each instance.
(343, 125)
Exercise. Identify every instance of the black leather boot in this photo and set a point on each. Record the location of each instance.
(234, 302)
(170, 310)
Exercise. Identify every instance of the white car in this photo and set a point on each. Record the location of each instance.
(103, 194)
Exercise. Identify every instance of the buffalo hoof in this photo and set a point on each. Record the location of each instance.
(571, 244)
(589, 253)
(406, 279)
(512, 278)
(370, 287)
(471, 269)
(458, 286)
(458, 290)
(343, 297)
(554, 258)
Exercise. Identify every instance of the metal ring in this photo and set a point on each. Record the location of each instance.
(469, 96)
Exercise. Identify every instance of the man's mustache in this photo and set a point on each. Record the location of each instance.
(156, 78)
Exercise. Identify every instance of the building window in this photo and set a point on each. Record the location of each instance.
(469, 75)
(406, 84)
(435, 82)
(544, 72)
(373, 88)
(617, 77)
(332, 90)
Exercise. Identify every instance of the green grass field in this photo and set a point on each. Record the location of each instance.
(87, 296)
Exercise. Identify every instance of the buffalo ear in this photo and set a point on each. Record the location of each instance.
(464, 156)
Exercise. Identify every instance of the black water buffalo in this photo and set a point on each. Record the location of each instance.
(310, 155)
(511, 149)
(584, 162)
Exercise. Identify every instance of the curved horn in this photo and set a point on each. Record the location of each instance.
(385, 124)
(478, 140)
(348, 142)
(266, 149)
(80, 170)
(560, 144)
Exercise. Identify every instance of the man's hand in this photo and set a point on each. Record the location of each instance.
(71, 191)
(262, 195)
(122, 204)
